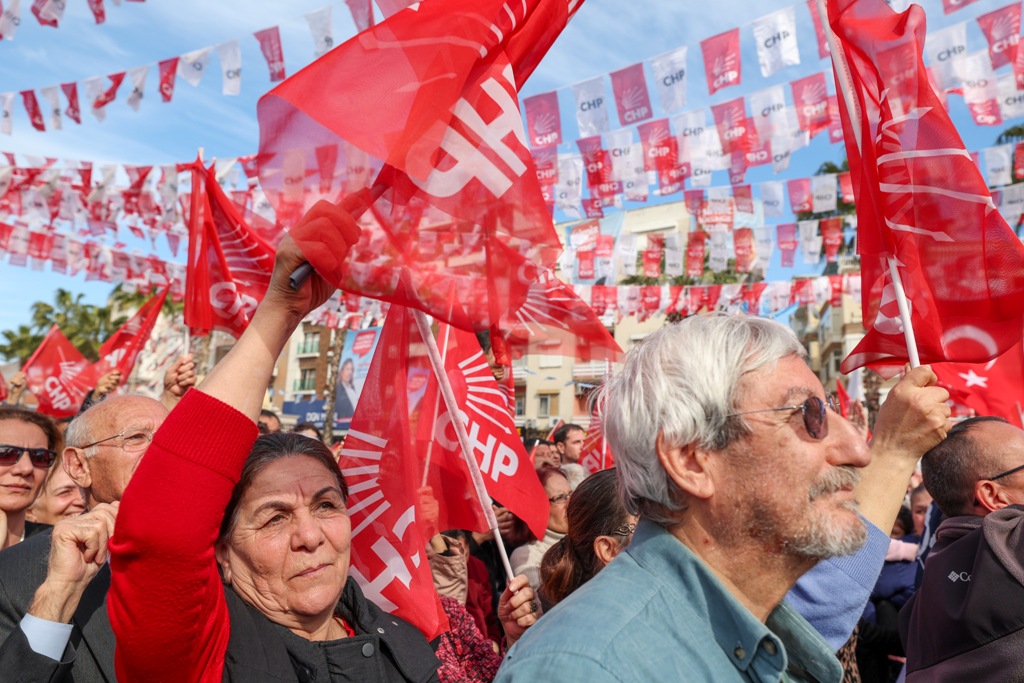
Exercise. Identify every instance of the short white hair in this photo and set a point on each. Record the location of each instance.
(681, 382)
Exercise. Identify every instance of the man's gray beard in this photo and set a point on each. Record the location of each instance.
(824, 539)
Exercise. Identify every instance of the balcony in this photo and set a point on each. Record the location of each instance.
(307, 385)
(594, 370)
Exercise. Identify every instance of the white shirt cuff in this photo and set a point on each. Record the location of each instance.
(48, 638)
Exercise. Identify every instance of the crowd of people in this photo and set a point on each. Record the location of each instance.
(748, 532)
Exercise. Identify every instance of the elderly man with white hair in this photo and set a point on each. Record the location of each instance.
(744, 478)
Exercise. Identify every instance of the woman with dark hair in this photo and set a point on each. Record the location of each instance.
(309, 430)
(231, 556)
(526, 558)
(29, 445)
(599, 527)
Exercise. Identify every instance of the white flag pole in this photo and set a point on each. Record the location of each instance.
(844, 88)
(460, 432)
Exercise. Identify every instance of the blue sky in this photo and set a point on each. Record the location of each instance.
(605, 35)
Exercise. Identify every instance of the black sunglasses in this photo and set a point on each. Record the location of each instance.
(813, 409)
(40, 457)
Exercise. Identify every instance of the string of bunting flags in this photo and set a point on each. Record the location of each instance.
(47, 13)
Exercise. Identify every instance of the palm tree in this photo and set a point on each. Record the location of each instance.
(86, 326)
(20, 343)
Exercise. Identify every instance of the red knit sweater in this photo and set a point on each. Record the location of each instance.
(166, 600)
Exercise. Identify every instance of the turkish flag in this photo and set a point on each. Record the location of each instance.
(922, 203)
(722, 65)
(992, 388)
(122, 348)
(229, 265)
(270, 46)
(596, 455)
(383, 470)
(438, 112)
(58, 375)
(35, 115)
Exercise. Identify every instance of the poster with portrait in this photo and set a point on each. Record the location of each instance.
(354, 366)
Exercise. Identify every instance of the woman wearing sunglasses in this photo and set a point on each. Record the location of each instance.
(29, 443)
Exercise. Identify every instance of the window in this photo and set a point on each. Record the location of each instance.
(310, 343)
(547, 405)
(307, 380)
(520, 402)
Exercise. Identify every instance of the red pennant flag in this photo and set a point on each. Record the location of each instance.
(442, 86)
(801, 197)
(661, 149)
(39, 245)
(811, 100)
(59, 375)
(44, 19)
(843, 398)
(229, 265)
(788, 243)
(596, 455)
(168, 72)
(836, 283)
(122, 348)
(695, 249)
(819, 29)
(32, 109)
(846, 187)
(722, 60)
(743, 195)
(270, 46)
(922, 204)
(1002, 31)
(71, 92)
(632, 100)
(380, 465)
(98, 12)
(543, 120)
(732, 124)
(744, 250)
(950, 6)
(108, 95)
(832, 237)
(992, 388)
(835, 121)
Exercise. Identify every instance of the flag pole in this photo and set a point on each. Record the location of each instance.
(433, 423)
(460, 432)
(844, 88)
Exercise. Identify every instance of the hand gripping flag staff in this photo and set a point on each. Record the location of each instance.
(943, 273)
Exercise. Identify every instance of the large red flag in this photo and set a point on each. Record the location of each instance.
(922, 204)
(438, 111)
(596, 454)
(123, 347)
(992, 388)
(59, 375)
(383, 474)
(229, 265)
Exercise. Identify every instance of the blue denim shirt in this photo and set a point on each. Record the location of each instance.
(657, 613)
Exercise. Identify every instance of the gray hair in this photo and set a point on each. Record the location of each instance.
(680, 383)
(79, 430)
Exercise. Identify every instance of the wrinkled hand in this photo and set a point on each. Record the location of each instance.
(858, 417)
(327, 232)
(180, 376)
(914, 417)
(15, 387)
(518, 608)
(107, 383)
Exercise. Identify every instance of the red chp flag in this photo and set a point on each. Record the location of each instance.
(810, 98)
(59, 375)
(992, 388)
(35, 115)
(722, 60)
(1002, 31)
(438, 112)
(270, 46)
(383, 472)
(921, 202)
(543, 120)
(596, 455)
(229, 265)
(631, 97)
(123, 347)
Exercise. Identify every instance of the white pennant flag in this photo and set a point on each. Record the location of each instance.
(768, 109)
(689, 126)
(137, 80)
(192, 65)
(634, 183)
(942, 49)
(320, 26)
(998, 161)
(772, 196)
(765, 243)
(823, 193)
(1011, 202)
(974, 72)
(230, 56)
(670, 79)
(617, 144)
(625, 251)
(51, 94)
(1011, 100)
(675, 246)
(52, 10)
(569, 188)
(775, 35)
(810, 241)
(94, 87)
(10, 19)
(719, 250)
(591, 107)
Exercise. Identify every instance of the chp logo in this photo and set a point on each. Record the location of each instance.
(635, 105)
(725, 70)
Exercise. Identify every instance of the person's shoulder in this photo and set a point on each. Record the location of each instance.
(29, 557)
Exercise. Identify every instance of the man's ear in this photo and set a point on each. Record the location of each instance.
(606, 548)
(687, 466)
(990, 496)
(77, 466)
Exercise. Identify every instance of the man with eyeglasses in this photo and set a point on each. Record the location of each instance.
(744, 480)
(966, 621)
(53, 616)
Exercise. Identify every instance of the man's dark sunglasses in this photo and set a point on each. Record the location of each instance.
(813, 409)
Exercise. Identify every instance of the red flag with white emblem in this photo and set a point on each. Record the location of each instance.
(270, 46)
(438, 111)
(71, 92)
(1002, 31)
(922, 206)
(596, 455)
(35, 115)
(229, 265)
(543, 120)
(168, 73)
(122, 348)
(992, 388)
(722, 60)
(811, 101)
(380, 465)
(631, 97)
(58, 375)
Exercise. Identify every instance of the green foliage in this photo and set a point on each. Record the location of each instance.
(85, 326)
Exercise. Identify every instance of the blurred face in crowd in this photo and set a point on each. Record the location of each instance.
(919, 503)
(270, 423)
(59, 498)
(545, 455)
(1006, 442)
(124, 427)
(21, 482)
(288, 553)
(557, 488)
(571, 449)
